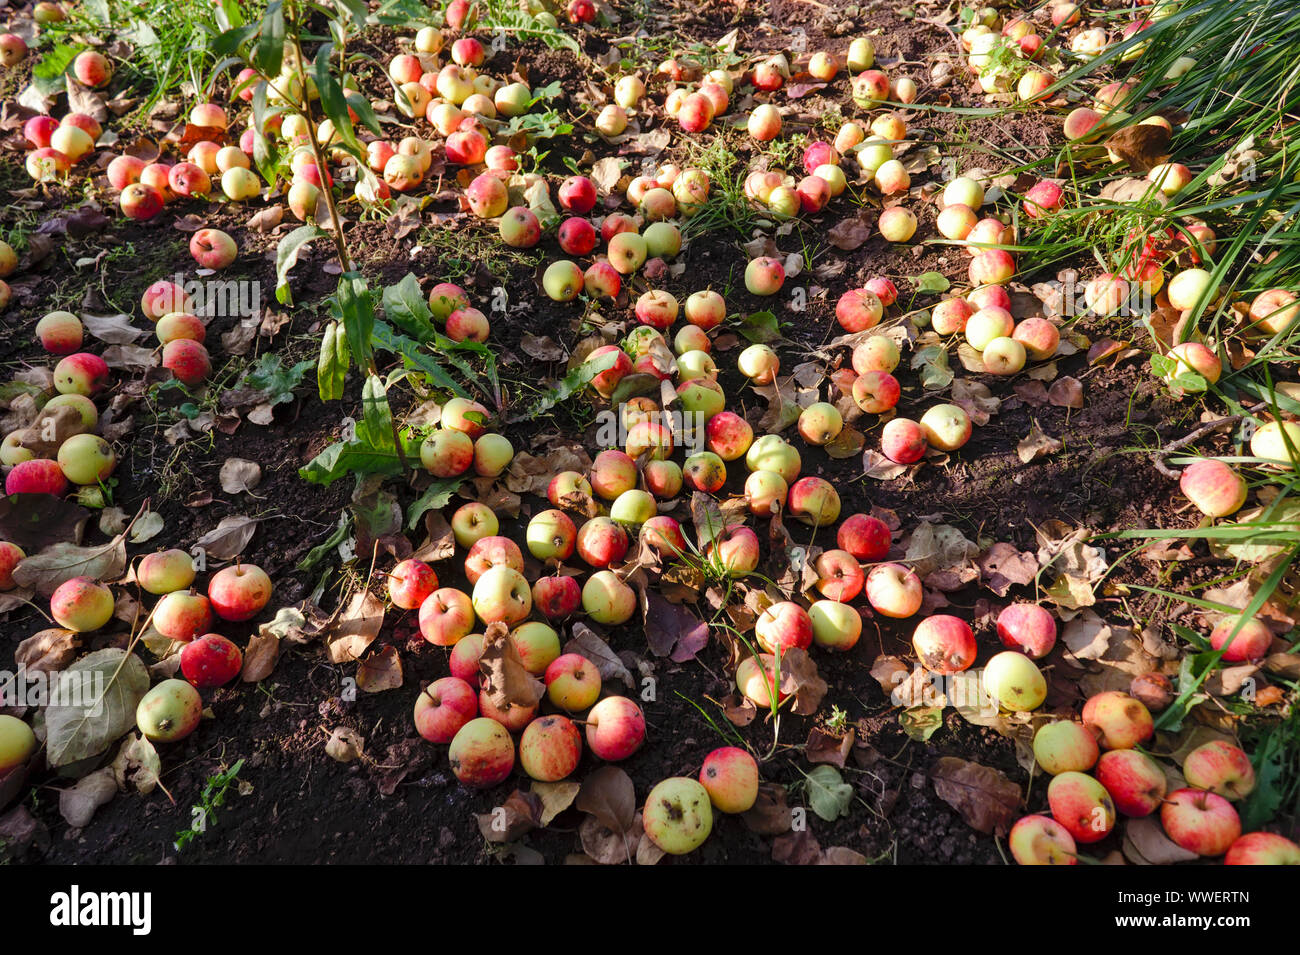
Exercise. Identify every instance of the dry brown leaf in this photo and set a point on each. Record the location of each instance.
(380, 671)
(506, 681)
(355, 628)
(239, 474)
(609, 795)
(986, 798)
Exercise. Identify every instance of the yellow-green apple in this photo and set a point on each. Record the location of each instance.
(551, 535)
(519, 228)
(550, 748)
(988, 324)
(239, 184)
(567, 483)
(782, 626)
(1134, 780)
(1262, 848)
(956, 222)
(1004, 356)
(734, 550)
(492, 455)
(615, 728)
(1120, 721)
(764, 276)
(572, 682)
(176, 325)
(409, 584)
(563, 281)
(664, 535)
(894, 590)
(537, 644)
(946, 427)
(1015, 682)
(1065, 747)
(771, 452)
(601, 541)
(943, 643)
(730, 776)
(491, 551)
(891, 177)
(71, 141)
(402, 173)
(759, 363)
(557, 596)
(814, 501)
(606, 599)
(820, 423)
(835, 625)
(182, 615)
(705, 309)
(634, 507)
(1200, 822)
(764, 123)
(502, 595)
(867, 538)
(482, 753)
(1189, 287)
(239, 592)
(472, 522)
(701, 397)
(663, 240)
(696, 364)
(13, 49)
(443, 707)
(446, 616)
(1245, 640)
(1041, 840)
(17, 742)
(1028, 628)
(678, 815)
(1082, 805)
(1274, 311)
(628, 91)
(839, 576)
(1039, 337)
(1276, 443)
(903, 441)
(861, 55)
(648, 438)
(765, 492)
(82, 604)
(169, 712)
(626, 252)
(446, 453)
(1221, 768)
(86, 459)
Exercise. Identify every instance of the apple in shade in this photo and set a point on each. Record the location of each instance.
(903, 441)
(1065, 746)
(446, 616)
(606, 599)
(169, 712)
(482, 753)
(943, 643)
(572, 682)
(1262, 848)
(443, 708)
(557, 597)
(1200, 822)
(81, 374)
(894, 591)
(86, 459)
(10, 556)
(182, 615)
(835, 625)
(36, 476)
(730, 776)
(1041, 840)
(514, 717)
(1134, 780)
(867, 538)
(464, 657)
(1082, 805)
(60, 333)
(782, 626)
(678, 815)
(615, 728)
(1221, 768)
(1120, 721)
(1248, 640)
(81, 604)
(410, 583)
(1276, 443)
(210, 661)
(664, 535)
(1028, 628)
(178, 325)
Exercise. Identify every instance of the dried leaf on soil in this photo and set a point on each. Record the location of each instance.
(586, 642)
(345, 745)
(44, 571)
(1036, 444)
(986, 798)
(380, 671)
(609, 795)
(519, 815)
(354, 628)
(239, 474)
(48, 651)
(78, 803)
(137, 765)
(228, 539)
(555, 797)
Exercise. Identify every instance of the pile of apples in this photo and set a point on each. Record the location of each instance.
(1199, 817)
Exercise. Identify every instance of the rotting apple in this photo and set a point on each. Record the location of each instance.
(1121, 721)
(943, 643)
(1041, 840)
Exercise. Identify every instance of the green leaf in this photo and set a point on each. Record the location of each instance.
(332, 365)
(365, 112)
(350, 457)
(356, 309)
(932, 362)
(358, 10)
(405, 306)
(760, 327)
(920, 722)
(435, 497)
(1266, 798)
(384, 337)
(231, 40)
(828, 794)
(269, 376)
(98, 697)
(286, 257)
(47, 75)
(332, 100)
(323, 550)
(376, 415)
(269, 54)
(931, 283)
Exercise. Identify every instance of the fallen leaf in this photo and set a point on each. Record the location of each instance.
(345, 745)
(610, 797)
(380, 671)
(985, 798)
(239, 474)
(1036, 444)
(78, 803)
(228, 539)
(355, 628)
